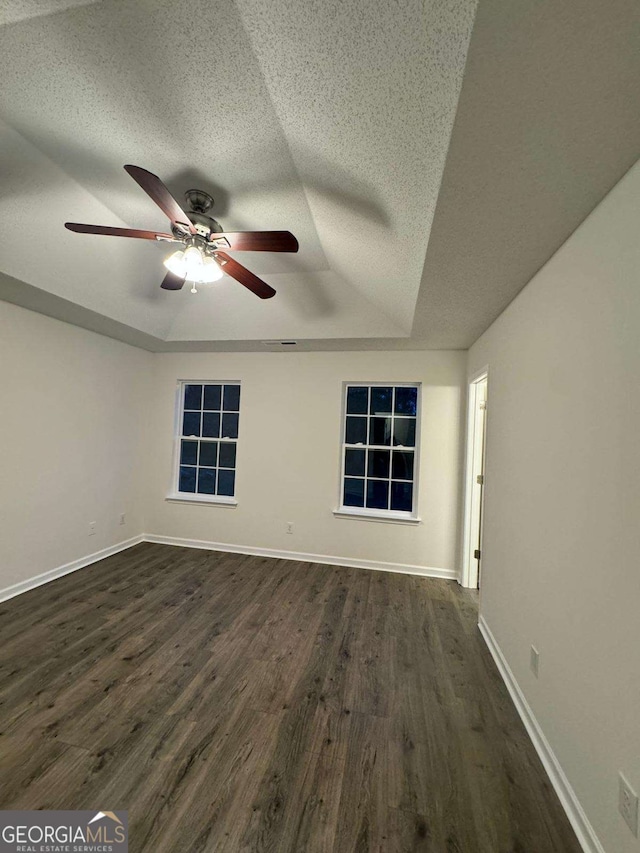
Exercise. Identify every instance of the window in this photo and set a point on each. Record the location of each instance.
(379, 453)
(206, 441)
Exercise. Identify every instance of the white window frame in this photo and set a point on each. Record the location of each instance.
(385, 515)
(195, 497)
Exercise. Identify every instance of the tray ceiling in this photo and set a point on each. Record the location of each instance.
(332, 120)
(334, 125)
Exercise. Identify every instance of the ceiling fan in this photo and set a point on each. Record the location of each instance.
(202, 260)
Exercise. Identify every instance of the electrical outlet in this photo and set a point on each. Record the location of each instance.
(628, 804)
(92, 528)
(122, 518)
(534, 660)
(289, 526)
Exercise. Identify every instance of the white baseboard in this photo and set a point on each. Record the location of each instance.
(567, 796)
(402, 568)
(45, 577)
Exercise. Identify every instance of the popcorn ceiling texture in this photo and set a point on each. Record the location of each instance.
(379, 84)
(330, 119)
(423, 202)
(547, 123)
(19, 10)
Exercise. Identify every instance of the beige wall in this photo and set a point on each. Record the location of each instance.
(289, 454)
(70, 432)
(87, 429)
(562, 522)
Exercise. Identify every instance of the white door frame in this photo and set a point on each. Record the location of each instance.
(474, 463)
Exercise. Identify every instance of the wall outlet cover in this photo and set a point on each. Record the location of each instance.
(628, 804)
(534, 661)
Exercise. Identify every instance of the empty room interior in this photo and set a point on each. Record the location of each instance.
(319, 492)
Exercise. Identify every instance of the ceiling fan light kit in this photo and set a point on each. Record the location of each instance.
(194, 264)
(202, 260)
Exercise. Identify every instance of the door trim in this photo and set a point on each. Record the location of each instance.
(469, 573)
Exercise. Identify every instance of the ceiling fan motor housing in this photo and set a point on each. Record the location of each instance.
(199, 203)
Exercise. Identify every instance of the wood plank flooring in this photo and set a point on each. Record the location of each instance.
(235, 703)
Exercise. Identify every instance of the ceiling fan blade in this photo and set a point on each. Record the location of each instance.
(172, 282)
(256, 241)
(154, 188)
(244, 276)
(80, 228)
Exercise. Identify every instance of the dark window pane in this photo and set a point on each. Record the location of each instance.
(226, 482)
(189, 453)
(212, 397)
(207, 481)
(211, 424)
(404, 431)
(353, 492)
(187, 482)
(227, 455)
(193, 396)
(231, 398)
(381, 401)
(229, 425)
(406, 401)
(402, 496)
(402, 465)
(378, 463)
(356, 432)
(209, 453)
(191, 423)
(357, 400)
(354, 462)
(380, 431)
(377, 494)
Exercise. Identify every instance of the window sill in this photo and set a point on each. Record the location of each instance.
(217, 500)
(372, 515)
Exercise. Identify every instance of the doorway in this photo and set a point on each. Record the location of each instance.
(475, 480)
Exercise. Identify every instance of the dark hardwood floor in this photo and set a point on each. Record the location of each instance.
(235, 703)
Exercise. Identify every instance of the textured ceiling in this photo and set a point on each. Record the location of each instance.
(328, 119)
(19, 10)
(547, 123)
(421, 209)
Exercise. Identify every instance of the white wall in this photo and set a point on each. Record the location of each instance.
(71, 439)
(561, 554)
(289, 454)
